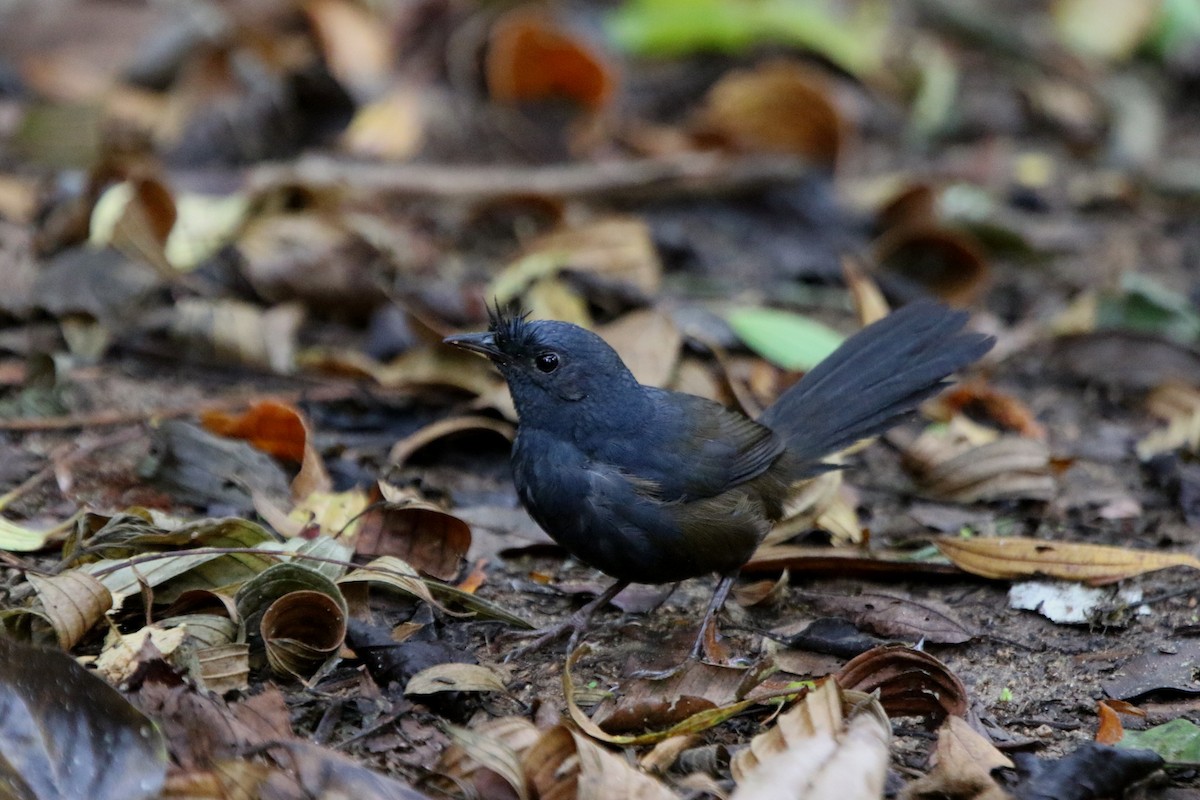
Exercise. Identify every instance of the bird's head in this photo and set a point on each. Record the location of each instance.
(548, 363)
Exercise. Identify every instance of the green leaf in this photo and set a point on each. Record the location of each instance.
(679, 27)
(788, 340)
(1148, 306)
(1177, 741)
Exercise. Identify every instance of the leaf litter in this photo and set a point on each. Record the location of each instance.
(682, 209)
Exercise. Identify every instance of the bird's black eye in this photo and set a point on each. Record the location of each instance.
(547, 362)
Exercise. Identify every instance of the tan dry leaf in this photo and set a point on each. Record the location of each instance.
(965, 760)
(565, 765)
(356, 45)
(74, 601)
(778, 107)
(1007, 468)
(615, 249)
(1014, 557)
(1178, 405)
(455, 677)
(819, 756)
(869, 303)
(493, 748)
(648, 342)
(224, 668)
(819, 502)
(233, 332)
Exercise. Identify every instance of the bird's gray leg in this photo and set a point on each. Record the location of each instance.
(707, 630)
(576, 624)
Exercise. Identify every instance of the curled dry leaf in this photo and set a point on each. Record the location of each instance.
(302, 631)
(356, 46)
(281, 430)
(260, 593)
(1001, 407)
(72, 602)
(870, 306)
(822, 502)
(402, 450)
(423, 535)
(453, 676)
(531, 59)
(648, 342)
(224, 667)
(566, 765)
(910, 682)
(761, 593)
(1011, 467)
(1012, 557)
(778, 107)
(825, 746)
(947, 262)
(841, 561)
(136, 217)
(964, 763)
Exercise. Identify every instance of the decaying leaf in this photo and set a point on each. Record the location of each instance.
(648, 342)
(418, 532)
(1178, 405)
(72, 602)
(455, 677)
(910, 682)
(302, 631)
(280, 430)
(490, 751)
(233, 332)
(953, 469)
(530, 58)
(779, 107)
(564, 764)
(1014, 557)
(965, 760)
(66, 733)
(809, 751)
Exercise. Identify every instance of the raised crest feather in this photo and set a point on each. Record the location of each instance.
(510, 326)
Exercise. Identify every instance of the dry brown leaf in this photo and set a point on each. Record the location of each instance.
(822, 502)
(761, 593)
(664, 754)
(356, 45)
(869, 303)
(402, 450)
(423, 535)
(233, 332)
(949, 468)
(224, 668)
(965, 760)
(909, 682)
(913, 204)
(452, 676)
(530, 59)
(73, 602)
(841, 561)
(302, 631)
(390, 128)
(778, 107)
(565, 765)
(1013, 557)
(814, 752)
(282, 431)
(949, 263)
(982, 399)
(1178, 405)
(489, 752)
(648, 342)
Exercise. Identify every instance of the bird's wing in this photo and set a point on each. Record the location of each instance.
(701, 449)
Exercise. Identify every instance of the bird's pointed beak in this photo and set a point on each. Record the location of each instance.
(484, 343)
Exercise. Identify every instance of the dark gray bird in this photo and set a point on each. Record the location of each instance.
(654, 486)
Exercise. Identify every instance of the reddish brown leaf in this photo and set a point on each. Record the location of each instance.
(530, 59)
(420, 533)
(910, 682)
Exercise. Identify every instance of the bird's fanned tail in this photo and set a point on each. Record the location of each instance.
(876, 377)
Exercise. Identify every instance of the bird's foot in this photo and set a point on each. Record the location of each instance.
(707, 649)
(576, 625)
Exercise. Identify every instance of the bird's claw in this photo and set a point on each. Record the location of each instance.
(576, 625)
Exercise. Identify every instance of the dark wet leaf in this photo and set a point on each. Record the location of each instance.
(835, 637)
(1173, 668)
(66, 734)
(1090, 772)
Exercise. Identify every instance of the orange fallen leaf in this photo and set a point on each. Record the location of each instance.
(1013, 557)
(1001, 407)
(280, 430)
(530, 58)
